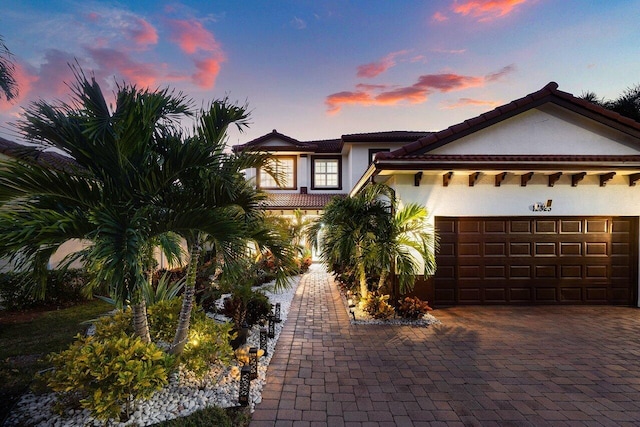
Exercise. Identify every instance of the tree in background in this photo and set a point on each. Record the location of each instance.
(8, 84)
(627, 104)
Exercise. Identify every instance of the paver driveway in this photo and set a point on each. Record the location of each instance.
(520, 366)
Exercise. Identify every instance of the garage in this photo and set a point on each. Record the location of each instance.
(536, 260)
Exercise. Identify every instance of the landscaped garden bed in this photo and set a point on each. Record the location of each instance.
(183, 395)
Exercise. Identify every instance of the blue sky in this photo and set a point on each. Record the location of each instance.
(320, 69)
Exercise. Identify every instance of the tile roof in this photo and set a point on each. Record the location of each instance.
(329, 145)
(549, 93)
(298, 201)
(47, 158)
(389, 136)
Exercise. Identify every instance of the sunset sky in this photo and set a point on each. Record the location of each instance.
(320, 69)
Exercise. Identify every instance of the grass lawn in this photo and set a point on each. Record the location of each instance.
(26, 337)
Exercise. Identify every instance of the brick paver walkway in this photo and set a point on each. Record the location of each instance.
(484, 366)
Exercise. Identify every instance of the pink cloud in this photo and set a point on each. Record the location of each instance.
(465, 102)
(208, 70)
(334, 102)
(53, 73)
(416, 93)
(112, 61)
(143, 33)
(373, 69)
(25, 81)
(485, 10)
(192, 36)
(439, 17)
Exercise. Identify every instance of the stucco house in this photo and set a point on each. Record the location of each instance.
(316, 171)
(535, 202)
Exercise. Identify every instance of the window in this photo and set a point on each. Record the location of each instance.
(327, 173)
(373, 151)
(285, 168)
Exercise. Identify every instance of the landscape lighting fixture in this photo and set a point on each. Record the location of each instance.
(272, 327)
(277, 313)
(263, 340)
(253, 363)
(351, 305)
(245, 386)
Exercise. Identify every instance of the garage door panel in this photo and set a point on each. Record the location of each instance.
(468, 227)
(495, 249)
(571, 271)
(545, 271)
(520, 295)
(549, 260)
(570, 248)
(596, 294)
(520, 272)
(599, 226)
(571, 295)
(470, 296)
(546, 295)
(519, 249)
(569, 226)
(495, 295)
(546, 226)
(495, 272)
(595, 249)
(469, 249)
(545, 249)
(520, 226)
(495, 226)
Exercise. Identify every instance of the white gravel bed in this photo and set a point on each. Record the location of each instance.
(182, 396)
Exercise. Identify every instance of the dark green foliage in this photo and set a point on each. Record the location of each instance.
(218, 417)
(247, 307)
(64, 287)
(627, 104)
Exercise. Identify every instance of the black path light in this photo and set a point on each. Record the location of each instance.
(272, 327)
(253, 362)
(245, 385)
(277, 313)
(263, 340)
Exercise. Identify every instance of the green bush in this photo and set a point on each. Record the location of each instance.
(377, 306)
(63, 288)
(208, 341)
(208, 344)
(109, 375)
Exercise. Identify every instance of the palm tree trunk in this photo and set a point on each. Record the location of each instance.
(140, 324)
(383, 278)
(182, 331)
(362, 276)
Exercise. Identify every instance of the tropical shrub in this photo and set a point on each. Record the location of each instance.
(413, 308)
(208, 344)
(63, 287)
(378, 306)
(109, 375)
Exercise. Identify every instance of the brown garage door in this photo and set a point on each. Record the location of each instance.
(523, 260)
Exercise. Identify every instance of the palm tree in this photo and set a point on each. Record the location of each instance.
(125, 161)
(368, 233)
(408, 243)
(627, 104)
(229, 194)
(349, 227)
(8, 84)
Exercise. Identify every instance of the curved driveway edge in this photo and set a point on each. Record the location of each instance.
(484, 366)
